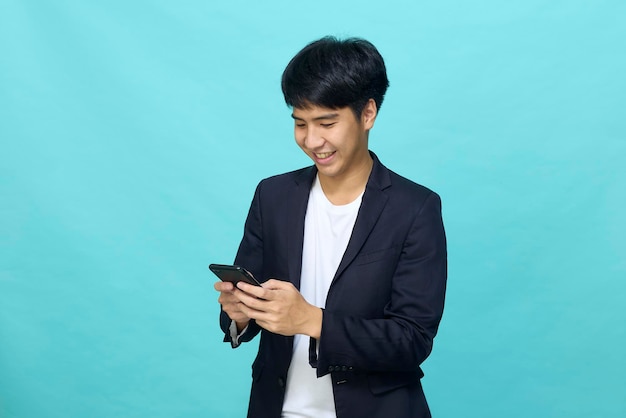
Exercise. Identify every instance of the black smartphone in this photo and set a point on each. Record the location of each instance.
(233, 274)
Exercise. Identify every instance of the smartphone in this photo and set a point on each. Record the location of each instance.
(233, 274)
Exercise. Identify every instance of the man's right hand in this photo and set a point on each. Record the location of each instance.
(231, 304)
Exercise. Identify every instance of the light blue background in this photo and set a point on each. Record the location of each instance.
(133, 135)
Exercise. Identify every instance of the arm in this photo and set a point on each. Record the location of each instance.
(249, 255)
(401, 338)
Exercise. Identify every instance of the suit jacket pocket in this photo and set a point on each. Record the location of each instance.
(373, 256)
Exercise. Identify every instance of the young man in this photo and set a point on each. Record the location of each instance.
(351, 255)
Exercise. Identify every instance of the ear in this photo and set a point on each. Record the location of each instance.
(368, 115)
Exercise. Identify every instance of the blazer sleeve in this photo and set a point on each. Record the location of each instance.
(402, 339)
(249, 256)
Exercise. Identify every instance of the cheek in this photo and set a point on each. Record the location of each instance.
(299, 137)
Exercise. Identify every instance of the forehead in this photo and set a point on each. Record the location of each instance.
(314, 112)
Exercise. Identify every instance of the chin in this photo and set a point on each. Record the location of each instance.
(327, 173)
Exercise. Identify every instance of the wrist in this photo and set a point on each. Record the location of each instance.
(241, 325)
(315, 323)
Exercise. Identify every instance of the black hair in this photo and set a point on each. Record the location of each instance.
(336, 73)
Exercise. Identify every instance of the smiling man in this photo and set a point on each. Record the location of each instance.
(351, 256)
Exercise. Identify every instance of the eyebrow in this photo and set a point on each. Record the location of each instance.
(322, 117)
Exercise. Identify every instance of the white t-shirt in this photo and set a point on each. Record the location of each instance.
(327, 230)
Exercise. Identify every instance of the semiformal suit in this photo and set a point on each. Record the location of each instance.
(383, 307)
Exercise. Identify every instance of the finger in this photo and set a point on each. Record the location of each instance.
(224, 286)
(227, 298)
(235, 313)
(253, 302)
(276, 284)
(256, 291)
(251, 312)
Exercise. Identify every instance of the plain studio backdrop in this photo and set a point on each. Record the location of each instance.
(133, 134)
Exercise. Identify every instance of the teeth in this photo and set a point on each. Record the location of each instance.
(324, 155)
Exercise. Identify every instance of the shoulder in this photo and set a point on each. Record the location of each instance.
(280, 185)
(406, 185)
(413, 197)
(399, 188)
(284, 179)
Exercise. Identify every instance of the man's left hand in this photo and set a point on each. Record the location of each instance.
(279, 307)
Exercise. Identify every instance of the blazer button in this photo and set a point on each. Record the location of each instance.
(331, 368)
(344, 368)
(281, 382)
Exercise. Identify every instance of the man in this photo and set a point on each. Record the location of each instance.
(351, 255)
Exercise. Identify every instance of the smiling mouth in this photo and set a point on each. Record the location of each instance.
(323, 155)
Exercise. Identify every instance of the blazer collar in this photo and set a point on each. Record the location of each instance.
(372, 205)
(295, 222)
(373, 202)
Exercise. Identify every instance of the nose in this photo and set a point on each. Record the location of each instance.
(313, 138)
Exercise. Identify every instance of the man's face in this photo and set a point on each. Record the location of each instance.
(334, 139)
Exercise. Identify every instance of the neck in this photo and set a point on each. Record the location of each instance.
(342, 190)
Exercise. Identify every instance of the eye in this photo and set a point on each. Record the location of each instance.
(327, 125)
(300, 125)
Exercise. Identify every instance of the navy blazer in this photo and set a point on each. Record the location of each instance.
(384, 304)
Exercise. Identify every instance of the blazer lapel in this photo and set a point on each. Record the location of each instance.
(374, 200)
(295, 223)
